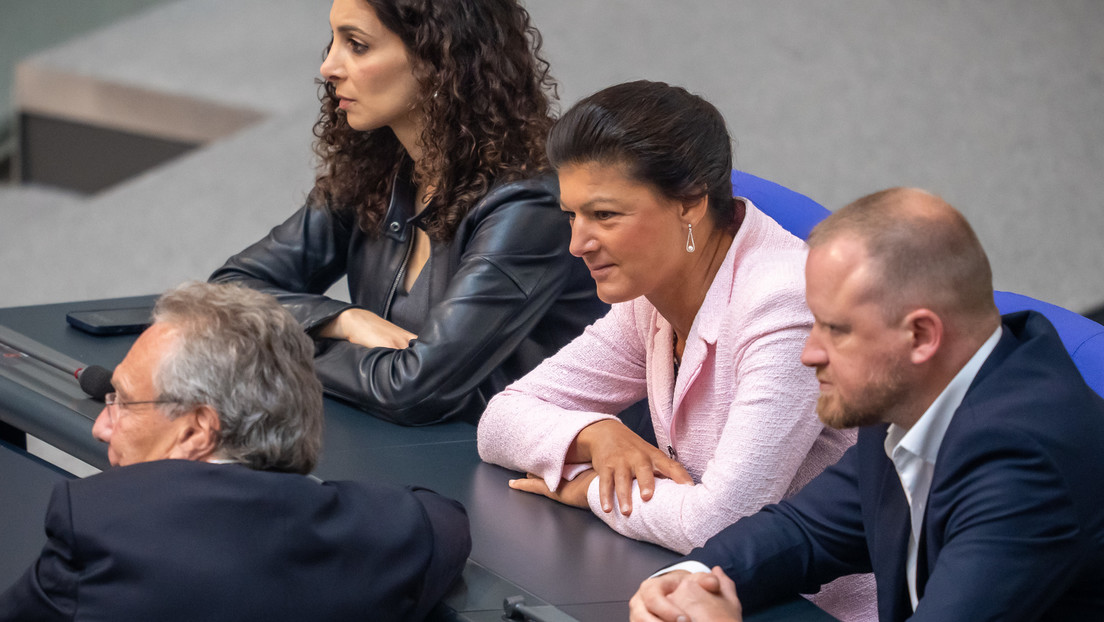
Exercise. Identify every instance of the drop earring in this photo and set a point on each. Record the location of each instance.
(690, 238)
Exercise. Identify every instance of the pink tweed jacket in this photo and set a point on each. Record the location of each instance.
(739, 416)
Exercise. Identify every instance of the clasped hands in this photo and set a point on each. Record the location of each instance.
(681, 596)
(617, 456)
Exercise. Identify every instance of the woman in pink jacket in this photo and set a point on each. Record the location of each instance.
(708, 322)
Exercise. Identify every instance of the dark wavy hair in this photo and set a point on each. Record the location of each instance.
(662, 135)
(486, 97)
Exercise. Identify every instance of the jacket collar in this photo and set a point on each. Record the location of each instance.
(1020, 328)
(706, 328)
(400, 214)
(890, 544)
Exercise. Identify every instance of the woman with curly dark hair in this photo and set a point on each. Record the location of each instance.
(434, 198)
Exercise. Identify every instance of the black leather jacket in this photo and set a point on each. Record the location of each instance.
(506, 295)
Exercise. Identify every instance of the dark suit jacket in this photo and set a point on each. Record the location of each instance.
(1014, 526)
(178, 540)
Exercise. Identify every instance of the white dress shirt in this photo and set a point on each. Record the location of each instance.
(913, 451)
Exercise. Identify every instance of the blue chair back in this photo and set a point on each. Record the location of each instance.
(1083, 338)
(798, 214)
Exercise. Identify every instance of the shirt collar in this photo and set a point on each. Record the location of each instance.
(925, 437)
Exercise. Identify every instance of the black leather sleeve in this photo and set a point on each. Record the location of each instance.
(297, 262)
(513, 268)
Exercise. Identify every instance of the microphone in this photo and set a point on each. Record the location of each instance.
(93, 379)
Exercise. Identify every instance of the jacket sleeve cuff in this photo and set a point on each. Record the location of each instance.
(321, 314)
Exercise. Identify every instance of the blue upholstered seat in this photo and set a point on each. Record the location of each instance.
(1083, 338)
(796, 212)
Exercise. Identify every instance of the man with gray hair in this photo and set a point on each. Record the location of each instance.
(973, 492)
(215, 420)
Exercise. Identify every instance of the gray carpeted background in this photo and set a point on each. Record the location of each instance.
(998, 106)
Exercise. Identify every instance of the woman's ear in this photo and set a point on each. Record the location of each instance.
(694, 211)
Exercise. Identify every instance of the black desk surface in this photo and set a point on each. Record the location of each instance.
(522, 544)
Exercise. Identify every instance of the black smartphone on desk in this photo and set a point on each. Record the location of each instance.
(123, 321)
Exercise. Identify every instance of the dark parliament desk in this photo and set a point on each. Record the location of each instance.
(521, 544)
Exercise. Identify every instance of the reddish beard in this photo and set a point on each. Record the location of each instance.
(873, 405)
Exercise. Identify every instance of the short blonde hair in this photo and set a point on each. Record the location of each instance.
(924, 253)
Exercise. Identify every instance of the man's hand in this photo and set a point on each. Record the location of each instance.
(572, 492)
(619, 456)
(365, 328)
(680, 596)
(708, 597)
(651, 604)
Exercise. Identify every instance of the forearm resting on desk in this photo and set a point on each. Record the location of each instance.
(618, 457)
(367, 329)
